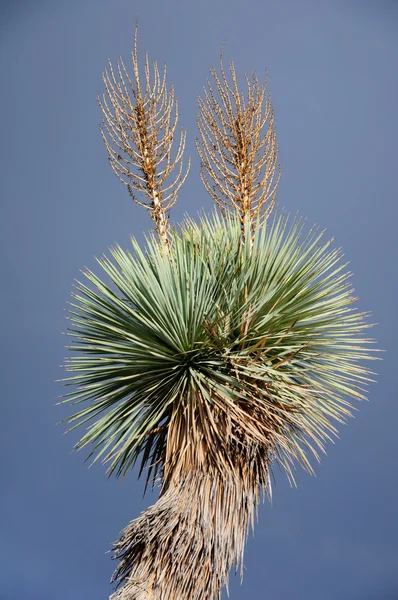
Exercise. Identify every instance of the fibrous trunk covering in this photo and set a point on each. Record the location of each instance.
(183, 546)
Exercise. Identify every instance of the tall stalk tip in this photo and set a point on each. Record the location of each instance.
(238, 148)
(138, 128)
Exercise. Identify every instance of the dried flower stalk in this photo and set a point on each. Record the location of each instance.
(138, 130)
(238, 149)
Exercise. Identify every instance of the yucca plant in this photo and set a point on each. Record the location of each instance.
(220, 349)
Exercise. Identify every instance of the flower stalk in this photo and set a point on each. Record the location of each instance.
(238, 148)
(138, 128)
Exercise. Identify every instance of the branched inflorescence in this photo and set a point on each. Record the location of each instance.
(138, 129)
(238, 148)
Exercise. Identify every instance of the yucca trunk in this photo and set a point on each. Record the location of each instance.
(184, 545)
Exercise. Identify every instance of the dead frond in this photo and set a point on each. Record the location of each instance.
(138, 130)
(238, 149)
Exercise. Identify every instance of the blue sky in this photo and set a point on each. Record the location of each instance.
(333, 79)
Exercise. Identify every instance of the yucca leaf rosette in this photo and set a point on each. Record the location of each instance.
(206, 365)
